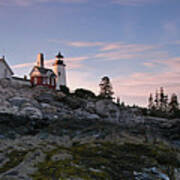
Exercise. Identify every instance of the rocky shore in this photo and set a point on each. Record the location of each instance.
(46, 134)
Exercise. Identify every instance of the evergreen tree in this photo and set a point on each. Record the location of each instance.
(161, 100)
(173, 104)
(166, 103)
(151, 103)
(106, 88)
(118, 101)
(156, 100)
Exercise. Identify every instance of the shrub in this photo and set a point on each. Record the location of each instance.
(83, 93)
(64, 89)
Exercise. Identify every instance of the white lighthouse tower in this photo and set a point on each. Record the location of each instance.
(59, 70)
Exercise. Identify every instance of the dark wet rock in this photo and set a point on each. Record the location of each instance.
(2, 136)
(18, 101)
(74, 102)
(13, 173)
(45, 98)
(31, 112)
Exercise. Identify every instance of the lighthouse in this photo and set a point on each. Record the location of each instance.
(59, 70)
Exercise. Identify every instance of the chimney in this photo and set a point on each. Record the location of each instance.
(40, 60)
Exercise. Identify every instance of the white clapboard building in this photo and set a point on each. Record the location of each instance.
(5, 70)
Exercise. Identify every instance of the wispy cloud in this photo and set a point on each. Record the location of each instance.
(132, 54)
(142, 84)
(122, 50)
(127, 47)
(85, 44)
(31, 2)
(139, 84)
(72, 63)
(170, 27)
(177, 42)
(134, 2)
(172, 63)
(24, 65)
(149, 64)
(116, 56)
(76, 80)
(105, 46)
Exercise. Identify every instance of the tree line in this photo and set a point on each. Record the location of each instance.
(163, 106)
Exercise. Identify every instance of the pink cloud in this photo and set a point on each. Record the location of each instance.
(177, 42)
(77, 80)
(121, 46)
(137, 86)
(142, 84)
(19, 66)
(173, 63)
(149, 64)
(171, 27)
(31, 2)
(134, 2)
(131, 54)
(84, 44)
(127, 47)
(72, 62)
(116, 55)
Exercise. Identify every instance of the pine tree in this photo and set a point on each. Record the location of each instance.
(118, 101)
(156, 100)
(174, 104)
(151, 103)
(166, 103)
(161, 100)
(106, 88)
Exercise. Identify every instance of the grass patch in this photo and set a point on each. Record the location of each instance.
(105, 161)
(15, 158)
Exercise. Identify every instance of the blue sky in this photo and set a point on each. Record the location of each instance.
(134, 42)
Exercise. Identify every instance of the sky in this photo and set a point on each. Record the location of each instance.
(133, 42)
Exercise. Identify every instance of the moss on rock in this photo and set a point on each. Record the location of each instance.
(105, 161)
(15, 158)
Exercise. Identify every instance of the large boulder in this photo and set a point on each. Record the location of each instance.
(74, 102)
(82, 114)
(108, 110)
(130, 118)
(45, 97)
(19, 101)
(31, 112)
(91, 107)
(5, 107)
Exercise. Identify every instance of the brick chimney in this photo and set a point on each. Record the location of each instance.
(40, 60)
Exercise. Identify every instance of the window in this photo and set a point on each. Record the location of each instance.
(59, 73)
(44, 81)
(35, 80)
